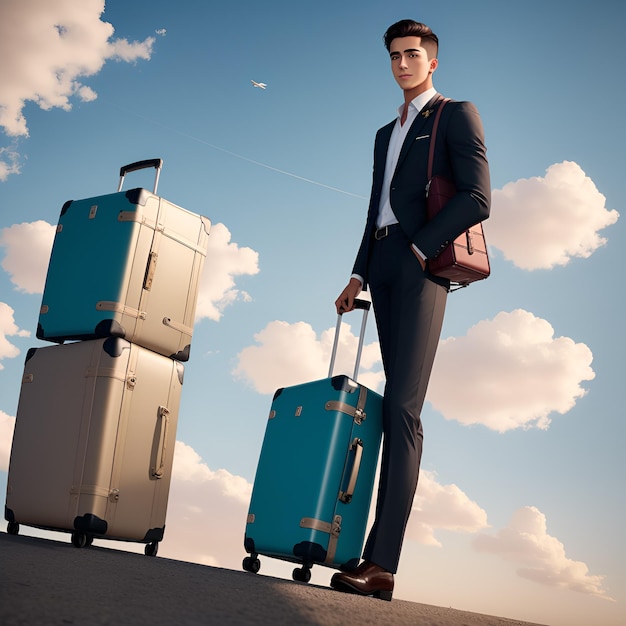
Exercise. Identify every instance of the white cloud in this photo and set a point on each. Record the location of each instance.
(224, 261)
(47, 48)
(539, 223)
(124, 50)
(442, 506)
(7, 425)
(508, 372)
(87, 94)
(28, 246)
(290, 354)
(206, 512)
(541, 557)
(8, 328)
(9, 162)
(188, 467)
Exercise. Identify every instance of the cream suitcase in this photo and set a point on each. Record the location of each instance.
(94, 442)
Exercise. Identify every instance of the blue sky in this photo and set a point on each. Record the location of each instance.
(521, 503)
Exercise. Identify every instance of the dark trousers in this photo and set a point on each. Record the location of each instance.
(409, 310)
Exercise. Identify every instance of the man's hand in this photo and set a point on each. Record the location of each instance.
(345, 302)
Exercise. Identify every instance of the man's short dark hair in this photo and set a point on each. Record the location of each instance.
(411, 28)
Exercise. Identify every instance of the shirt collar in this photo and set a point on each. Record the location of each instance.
(420, 101)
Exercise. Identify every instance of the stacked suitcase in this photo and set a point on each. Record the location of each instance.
(96, 421)
(315, 476)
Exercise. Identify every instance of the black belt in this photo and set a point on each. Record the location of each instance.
(381, 233)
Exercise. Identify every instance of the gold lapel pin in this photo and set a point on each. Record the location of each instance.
(427, 113)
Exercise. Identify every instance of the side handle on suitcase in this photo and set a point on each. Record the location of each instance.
(159, 463)
(356, 451)
(364, 305)
(140, 165)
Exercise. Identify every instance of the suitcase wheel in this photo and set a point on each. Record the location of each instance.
(81, 540)
(251, 564)
(151, 549)
(302, 574)
(13, 528)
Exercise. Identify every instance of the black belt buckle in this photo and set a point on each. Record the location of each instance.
(381, 233)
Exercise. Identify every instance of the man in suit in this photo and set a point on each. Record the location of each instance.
(392, 260)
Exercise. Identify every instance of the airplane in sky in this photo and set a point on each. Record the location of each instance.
(261, 85)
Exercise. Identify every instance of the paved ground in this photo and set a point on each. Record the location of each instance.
(49, 582)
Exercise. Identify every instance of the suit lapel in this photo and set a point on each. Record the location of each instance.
(383, 143)
(417, 125)
(380, 155)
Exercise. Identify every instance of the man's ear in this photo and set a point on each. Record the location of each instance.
(433, 65)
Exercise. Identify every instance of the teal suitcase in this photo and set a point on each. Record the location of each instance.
(314, 480)
(127, 265)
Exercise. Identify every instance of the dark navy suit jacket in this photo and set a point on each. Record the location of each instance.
(460, 155)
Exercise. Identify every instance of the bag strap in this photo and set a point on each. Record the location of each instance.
(433, 137)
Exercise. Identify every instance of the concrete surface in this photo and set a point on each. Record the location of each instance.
(50, 582)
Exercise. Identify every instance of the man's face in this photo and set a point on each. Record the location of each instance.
(410, 64)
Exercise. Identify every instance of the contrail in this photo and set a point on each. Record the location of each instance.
(239, 156)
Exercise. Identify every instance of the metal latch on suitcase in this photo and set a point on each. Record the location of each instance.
(357, 412)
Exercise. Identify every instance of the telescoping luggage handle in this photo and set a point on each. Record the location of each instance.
(364, 305)
(157, 164)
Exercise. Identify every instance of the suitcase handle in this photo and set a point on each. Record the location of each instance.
(356, 450)
(140, 165)
(364, 305)
(159, 463)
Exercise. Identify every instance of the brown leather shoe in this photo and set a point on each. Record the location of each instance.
(368, 579)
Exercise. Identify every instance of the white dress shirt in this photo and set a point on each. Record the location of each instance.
(386, 216)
